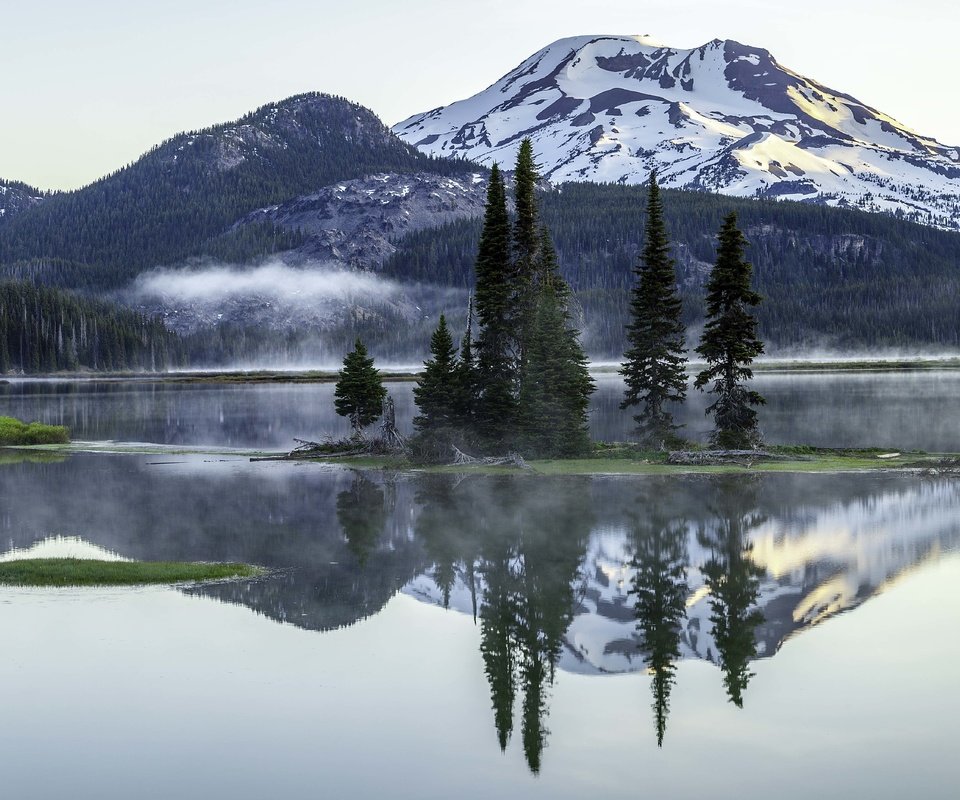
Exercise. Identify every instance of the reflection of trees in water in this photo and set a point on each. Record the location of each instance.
(527, 548)
(734, 581)
(362, 514)
(660, 588)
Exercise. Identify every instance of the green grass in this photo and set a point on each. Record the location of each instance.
(82, 572)
(13, 432)
(630, 459)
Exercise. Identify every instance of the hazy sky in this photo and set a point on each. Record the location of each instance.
(88, 86)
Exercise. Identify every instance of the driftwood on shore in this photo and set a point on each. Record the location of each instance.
(461, 459)
(743, 458)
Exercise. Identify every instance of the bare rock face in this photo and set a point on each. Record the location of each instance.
(356, 223)
(724, 117)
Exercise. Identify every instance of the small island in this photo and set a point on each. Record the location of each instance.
(13, 433)
(64, 572)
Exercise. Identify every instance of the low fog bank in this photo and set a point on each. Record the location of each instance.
(276, 282)
(278, 316)
(275, 316)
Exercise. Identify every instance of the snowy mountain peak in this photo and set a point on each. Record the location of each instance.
(724, 117)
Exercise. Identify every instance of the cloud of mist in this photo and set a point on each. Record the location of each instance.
(275, 281)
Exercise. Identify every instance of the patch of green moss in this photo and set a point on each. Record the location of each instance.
(83, 572)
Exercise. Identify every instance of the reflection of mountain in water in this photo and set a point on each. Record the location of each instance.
(589, 575)
(845, 538)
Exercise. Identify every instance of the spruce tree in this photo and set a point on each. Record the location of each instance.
(555, 384)
(437, 395)
(359, 393)
(654, 366)
(526, 240)
(729, 343)
(495, 406)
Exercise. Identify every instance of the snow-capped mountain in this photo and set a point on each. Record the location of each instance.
(723, 117)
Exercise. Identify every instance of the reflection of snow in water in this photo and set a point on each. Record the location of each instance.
(62, 547)
(818, 562)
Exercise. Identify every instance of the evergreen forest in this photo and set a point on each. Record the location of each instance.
(832, 278)
(47, 330)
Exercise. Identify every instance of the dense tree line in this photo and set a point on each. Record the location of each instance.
(831, 276)
(47, 330)
(172, 202)
(528, 388)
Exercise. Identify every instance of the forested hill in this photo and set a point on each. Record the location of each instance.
(829, 277)
(179, 199)
(47, 330)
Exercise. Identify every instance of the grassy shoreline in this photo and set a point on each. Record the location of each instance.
(64, 572)
(627, 460)
(606, 459)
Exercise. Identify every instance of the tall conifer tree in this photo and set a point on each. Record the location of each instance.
(555, 384)
(654, 366)
(729, 343)
(495, 407)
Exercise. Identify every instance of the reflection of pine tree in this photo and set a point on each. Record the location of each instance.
(362, 514)
(551, 541)
(526, 550)
(496, 640)
(436, 527)
(660, 587)
(734, 582)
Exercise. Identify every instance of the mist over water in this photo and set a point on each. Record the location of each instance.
(905, 410)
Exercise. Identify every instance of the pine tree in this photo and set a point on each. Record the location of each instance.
(495, 407)
(359, 393)
(555, 384)
(654, 366)
(729, 343)
(525, 240)
(437, 395)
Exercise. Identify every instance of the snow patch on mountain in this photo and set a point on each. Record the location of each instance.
(723, 117)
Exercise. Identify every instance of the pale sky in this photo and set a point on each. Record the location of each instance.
(89, 86)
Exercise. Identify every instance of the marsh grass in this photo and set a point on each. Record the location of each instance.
(13, 432)
(84, 572)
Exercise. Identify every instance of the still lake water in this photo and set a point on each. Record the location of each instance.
(441, 636)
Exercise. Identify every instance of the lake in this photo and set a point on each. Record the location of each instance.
(429, 636)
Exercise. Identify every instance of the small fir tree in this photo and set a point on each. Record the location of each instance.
(359, 393)
(729, 343)
(654, 367)
(437, 394)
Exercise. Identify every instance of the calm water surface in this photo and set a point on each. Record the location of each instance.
(904, 410)
(476, 637)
